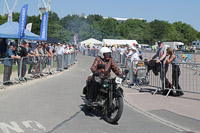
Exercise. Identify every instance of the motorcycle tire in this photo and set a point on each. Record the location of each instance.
(88, 108)
(120, 104)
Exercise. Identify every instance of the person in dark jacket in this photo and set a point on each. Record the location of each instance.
(104, 58)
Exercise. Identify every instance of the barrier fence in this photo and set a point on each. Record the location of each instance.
(165, 79)
(15, 71)
(185, 76)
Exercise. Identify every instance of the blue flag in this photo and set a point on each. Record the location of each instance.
(22, 20)
(44, 27)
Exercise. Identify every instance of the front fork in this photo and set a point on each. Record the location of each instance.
(111, 96)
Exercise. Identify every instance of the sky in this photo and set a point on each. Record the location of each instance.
(187, 11)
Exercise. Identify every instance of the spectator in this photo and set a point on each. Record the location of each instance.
(84, 49)
(161, 54)
(123, 55)
(59, 53)
(88, 49)
(92, 50)
(50, 54)
(128, 56)
(31, 55)
(22, 52)
(66, 57)
(134, 61)
(8, 63)
(175, 70)
(139, 52)
(38, 54)
(194, 49)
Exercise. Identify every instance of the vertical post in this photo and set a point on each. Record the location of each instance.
(131, 71)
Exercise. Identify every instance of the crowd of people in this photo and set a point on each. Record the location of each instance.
(39, 58)
(44, 53)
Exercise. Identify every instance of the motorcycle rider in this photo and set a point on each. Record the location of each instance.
(105, 61)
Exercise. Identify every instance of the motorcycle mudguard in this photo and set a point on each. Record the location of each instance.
(119, 92)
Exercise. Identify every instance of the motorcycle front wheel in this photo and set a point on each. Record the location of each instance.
(113, 113)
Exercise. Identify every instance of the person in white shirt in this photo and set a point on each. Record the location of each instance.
(66, 56)
(59, 53)
(134, 61)
(123, 55)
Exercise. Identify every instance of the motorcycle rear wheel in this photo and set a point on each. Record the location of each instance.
(114, 114)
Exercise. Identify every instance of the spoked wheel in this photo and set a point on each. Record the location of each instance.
(113, 113)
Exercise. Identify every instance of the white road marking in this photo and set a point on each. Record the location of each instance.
(6, 128)
(14, 126)
(28, 124)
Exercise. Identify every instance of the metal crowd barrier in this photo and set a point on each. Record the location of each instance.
(7, 73)
(90, 52)
(141, 76)
(69, 59)
(39, 66)
(188, 80)
(185, 76)
(33, 67)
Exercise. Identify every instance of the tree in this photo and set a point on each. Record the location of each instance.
(159, 29)
(36, 23)
(3, 19)
(109, 28)
(188, 32)
(198, 35)
(172, 34)
(91, 19)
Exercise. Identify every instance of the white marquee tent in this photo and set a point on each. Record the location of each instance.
(91, 42)
(111, 42)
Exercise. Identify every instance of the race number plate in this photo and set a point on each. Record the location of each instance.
(118, 80)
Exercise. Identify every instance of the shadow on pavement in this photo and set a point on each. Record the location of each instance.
(65, 121)
(92, 113)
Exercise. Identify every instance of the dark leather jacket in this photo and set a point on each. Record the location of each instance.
(109, 65)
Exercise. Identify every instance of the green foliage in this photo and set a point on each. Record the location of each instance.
(188, 33)
(198, 35)
(96, 26)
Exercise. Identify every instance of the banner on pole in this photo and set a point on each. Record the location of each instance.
(22, 20)
(44, 27)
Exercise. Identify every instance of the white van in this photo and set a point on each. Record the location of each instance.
(174, 45)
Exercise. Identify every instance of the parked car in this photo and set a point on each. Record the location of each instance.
(145, 47)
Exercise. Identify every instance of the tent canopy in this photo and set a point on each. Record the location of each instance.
(91, 41)
(111, 42)
(11, 29)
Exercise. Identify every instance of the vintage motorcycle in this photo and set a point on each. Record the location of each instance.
(110, 98)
